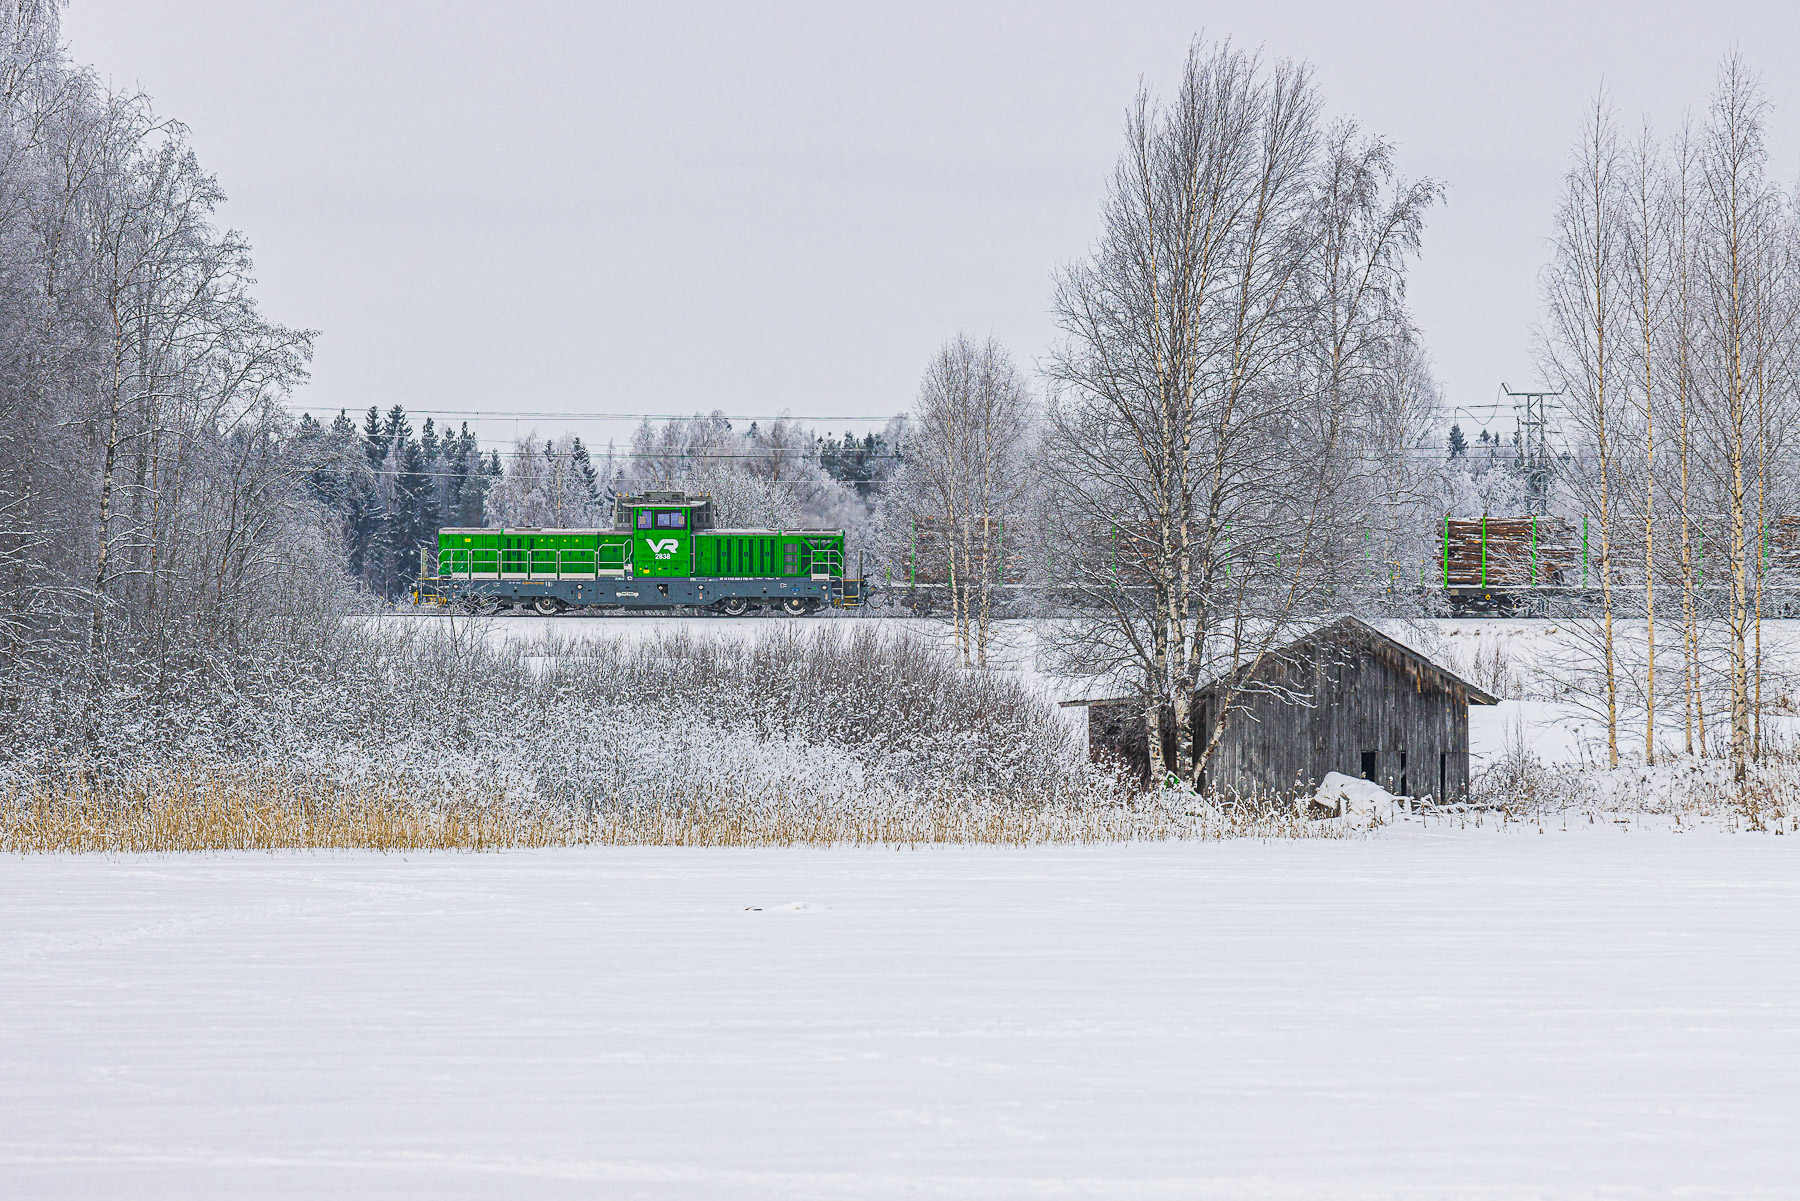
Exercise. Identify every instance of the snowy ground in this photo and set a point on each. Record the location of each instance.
(1418, 1015)
(1530, 663)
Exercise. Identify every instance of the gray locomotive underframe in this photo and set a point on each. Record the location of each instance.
(647, 592)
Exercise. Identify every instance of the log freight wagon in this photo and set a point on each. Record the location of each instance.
(1499, 563)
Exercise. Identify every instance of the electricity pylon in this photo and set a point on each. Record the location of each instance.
(1534, 448)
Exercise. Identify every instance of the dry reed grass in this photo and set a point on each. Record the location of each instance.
(250, 809)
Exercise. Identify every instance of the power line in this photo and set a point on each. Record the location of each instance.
(1496, 451)
(786, 454)
(569, 415)
(508, 446)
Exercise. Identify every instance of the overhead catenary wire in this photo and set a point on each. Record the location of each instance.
(1499, 456)
(458, 475)
(573, 415)
(508, 448)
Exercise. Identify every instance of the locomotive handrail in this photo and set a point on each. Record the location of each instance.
(560, 567)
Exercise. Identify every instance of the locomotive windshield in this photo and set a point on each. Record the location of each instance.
(676, 520)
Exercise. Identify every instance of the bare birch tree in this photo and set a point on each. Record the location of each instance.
(1645, 248)
(1584, 305)
(970, 475)
(1219, 339)
(1679, 325)
(1680, 234)
(1735, 204)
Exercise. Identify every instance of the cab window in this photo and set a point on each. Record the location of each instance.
(671, 520)
(643, 519)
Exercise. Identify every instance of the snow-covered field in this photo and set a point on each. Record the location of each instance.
(1417, 1015)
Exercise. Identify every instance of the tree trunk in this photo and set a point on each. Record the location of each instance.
(1606, 598)
(1690, 624)
(1762, 518)
(987, 587)
(1648, 327)
(106, 476)
(1740, 598)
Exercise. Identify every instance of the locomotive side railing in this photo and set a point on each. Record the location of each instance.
(571, 563)
(827, 558)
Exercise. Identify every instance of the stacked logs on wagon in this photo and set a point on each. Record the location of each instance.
(990, 547)
(1781, 548)
(1510, 552)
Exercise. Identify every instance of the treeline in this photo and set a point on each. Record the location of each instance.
(384, 491)
(778, 473)
(388, 491)
(1235, 435)
(168, 526)
(154, 526)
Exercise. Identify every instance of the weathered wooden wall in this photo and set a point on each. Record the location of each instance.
(1347, 707)
(1355, 714)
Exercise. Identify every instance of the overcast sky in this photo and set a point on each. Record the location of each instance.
(657, 207)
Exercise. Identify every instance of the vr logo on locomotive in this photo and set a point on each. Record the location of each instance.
(663, 548)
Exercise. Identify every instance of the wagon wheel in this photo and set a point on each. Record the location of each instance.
(794, 606)
(734, 606)
(548, 606)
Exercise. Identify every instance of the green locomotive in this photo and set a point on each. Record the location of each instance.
(662, 553)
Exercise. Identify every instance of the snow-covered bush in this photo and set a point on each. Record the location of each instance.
(844, 729)
(443, 734)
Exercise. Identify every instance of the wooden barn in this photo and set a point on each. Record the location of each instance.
(1344, 698)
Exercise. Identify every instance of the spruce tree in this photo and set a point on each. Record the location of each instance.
(373, 442)
(363, 520)
(406, 491)
(472, 486)
(587, 482)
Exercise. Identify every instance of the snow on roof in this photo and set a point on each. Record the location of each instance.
(1334, 627)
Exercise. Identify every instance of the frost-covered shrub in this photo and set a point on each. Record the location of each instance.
(801, 712)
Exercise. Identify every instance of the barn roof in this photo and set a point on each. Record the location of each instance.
(1335, 632)
(1356, 630)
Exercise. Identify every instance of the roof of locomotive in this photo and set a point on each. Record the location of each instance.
(666, 500)
(527, 529)
(759, 529)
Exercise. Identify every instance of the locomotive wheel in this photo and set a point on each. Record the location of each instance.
(794, 606)
(483, 604)
(734, 606)
(548, 606)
